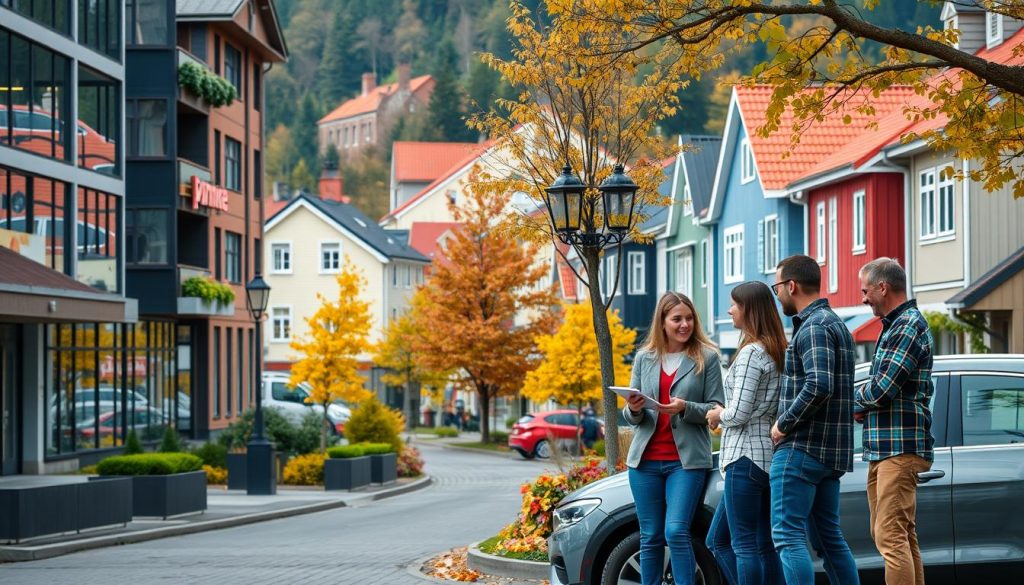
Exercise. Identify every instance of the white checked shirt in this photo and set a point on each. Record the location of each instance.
(751, 402)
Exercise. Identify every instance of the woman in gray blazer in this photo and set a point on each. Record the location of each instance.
(671, 450)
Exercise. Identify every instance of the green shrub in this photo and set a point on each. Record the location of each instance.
(208, 290)
(499, 437)
(346, 451)
(132, 445)
(149, 464)
(170, 442)
(373, 422)
(377, 448)
(305, 470)
(510, 421)
(212, 454)
(446, 432)
(204, 83)
(286, 437)
(599, 447)
(215, 475)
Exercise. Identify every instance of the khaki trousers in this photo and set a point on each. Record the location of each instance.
(892, 500)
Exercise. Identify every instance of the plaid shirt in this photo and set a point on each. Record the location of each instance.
(816, 406)
(896, 398)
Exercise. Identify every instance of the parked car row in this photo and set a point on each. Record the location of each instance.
(291, 401)
(969, 517)
(536, 434)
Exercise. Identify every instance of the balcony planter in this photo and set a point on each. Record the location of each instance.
(40, 510)
(163, 484)
(236, 471)
(384, 468)
(198, 306)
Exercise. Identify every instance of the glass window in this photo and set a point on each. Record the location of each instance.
(146, 231)
(746, 162)
(34, 207)
(945, 205)
(241, 370)
(257, 86)
(35, 97)
(330, 258)
(770, 251)
(232, 164)
(257, 174)
(98, 123)
(281, 255)
(145, 22)
(281, 324)
(611, 277)
(233, 67)
(860, 237)
(704, 259)
(216, 372)
(217, 259)
(52, 13)
(99, 26)
(993, 409)
(927, 194)
(99, 216)
(734, 254)
(637, 273)
(233, 257)
(833, 245)
(819, 233)
(684, 272)
(229, 338)
(147, 127)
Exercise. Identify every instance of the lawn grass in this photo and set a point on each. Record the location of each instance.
(488, 546)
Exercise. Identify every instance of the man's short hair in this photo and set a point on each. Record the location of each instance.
(887, 270)
(802, 270)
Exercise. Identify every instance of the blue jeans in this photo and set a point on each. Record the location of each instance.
(740, 534)
(805, 504)
(666, 497)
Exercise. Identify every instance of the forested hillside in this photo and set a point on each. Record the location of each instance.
(333, 42)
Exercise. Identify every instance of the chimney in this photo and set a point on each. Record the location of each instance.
(331, 186)
(369, 82)
(403, 77)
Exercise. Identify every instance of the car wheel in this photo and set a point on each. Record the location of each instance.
(543, 449)
(524, 453)
(622, 567)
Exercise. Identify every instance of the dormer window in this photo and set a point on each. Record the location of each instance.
(952, 23)
(993, 29)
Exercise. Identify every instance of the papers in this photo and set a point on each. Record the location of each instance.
(626, 392)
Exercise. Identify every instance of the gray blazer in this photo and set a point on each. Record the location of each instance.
(689, 429)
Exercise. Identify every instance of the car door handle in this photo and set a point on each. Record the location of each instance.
(926, 476)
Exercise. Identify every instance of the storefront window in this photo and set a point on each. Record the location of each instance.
(98, 220)
(34, 99)
(98, 124)
(99, 26)
(52, 13)
(33, 209)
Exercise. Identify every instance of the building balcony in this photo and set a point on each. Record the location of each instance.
(189, 101)
(186, 171)
(195, 306)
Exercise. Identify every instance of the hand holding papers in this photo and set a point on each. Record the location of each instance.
(626, 393)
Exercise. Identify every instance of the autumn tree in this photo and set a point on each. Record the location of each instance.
(589, 111)
(329, 351)
(471, 299)
(570, 372)
(397, 354)
(981, 99)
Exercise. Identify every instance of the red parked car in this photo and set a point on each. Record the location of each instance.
(535, 434)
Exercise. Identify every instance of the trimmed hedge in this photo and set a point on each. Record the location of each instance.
(377, 448)
(346, 451)
(149, 464)
(446, 432)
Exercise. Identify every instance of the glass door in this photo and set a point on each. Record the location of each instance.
(8, 402)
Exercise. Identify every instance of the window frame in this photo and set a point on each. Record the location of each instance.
(748, 170)
(636, 266)
(704, 263)
(230, 69)
(860, 216)
(232, 258)
(287, 249)
(771, 250)
(833, 244)
(945, 181)
(684, 285)
(131, 122)
(325, 262)
(820, 248)
(232, 165)
(990, 19)
(928, 228)
(274, 318)
(610, 274)
(732, 267)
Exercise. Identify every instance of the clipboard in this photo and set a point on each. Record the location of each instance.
(626, 392)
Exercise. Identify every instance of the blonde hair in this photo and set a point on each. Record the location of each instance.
(657, 341)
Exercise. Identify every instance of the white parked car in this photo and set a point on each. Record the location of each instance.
(291, 401)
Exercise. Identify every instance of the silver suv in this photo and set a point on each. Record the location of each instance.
(970, 520)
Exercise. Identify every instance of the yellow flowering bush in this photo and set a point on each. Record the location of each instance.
(305, 470)
(215, 475)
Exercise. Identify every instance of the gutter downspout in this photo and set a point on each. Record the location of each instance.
(908, 224)
(967, 223)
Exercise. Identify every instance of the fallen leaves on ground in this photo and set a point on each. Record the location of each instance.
(453, 566)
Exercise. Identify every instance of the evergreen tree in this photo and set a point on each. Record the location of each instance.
(304, 133)
(445, 109)
(339, 76)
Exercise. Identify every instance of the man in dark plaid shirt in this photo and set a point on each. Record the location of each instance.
(894, 407)
(813, 435)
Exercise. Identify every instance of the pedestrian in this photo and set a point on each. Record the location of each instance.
(894, 408)
(741, 540)
(670, 454)
(813, 434)
(589, 428)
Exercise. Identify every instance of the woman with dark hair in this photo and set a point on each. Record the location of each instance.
(671, 449)
(740, 534)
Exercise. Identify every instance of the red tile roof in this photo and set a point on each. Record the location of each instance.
(817, 141)
(365, 104)
(271, 206)
(566, 276)
(423, 162)
(473, 154)
(423, 236)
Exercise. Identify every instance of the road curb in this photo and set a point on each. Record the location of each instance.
(46, 551)
(505, 567)
(502, 454)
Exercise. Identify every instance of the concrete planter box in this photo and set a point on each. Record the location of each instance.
(169, 495)
(237, 471)
(384, 468)
(347, 474)
(198, 306)
(30, 512)
(505, 567)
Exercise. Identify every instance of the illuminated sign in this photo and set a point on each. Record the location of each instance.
(208, 195)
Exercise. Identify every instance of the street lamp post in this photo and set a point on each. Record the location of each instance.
(259, 458)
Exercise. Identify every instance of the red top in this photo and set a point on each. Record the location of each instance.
(662, 446)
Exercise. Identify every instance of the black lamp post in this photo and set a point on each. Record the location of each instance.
(573, 217)
(259, 459)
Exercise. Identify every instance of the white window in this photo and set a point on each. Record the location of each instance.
(819, 234)
(953, 23)
(833, 245)
(993, 28)
(281, 324)
(733, 254)
(860, 232)
(408, 276)
(610, 274)
(937, 213)
(746, 162)
(394, 275)
(637, 273)
(704, 263)
(684, 272)
(281, 258)
(927, 194)
(687, 200)
(945, 207)
(770, 244)
(330, 257)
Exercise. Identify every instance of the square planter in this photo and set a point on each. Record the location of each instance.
(236, 471)
(31, 511)
(169, 495)
(346, 474)
(384, 468)
(197, 306)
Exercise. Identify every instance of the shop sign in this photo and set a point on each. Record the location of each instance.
(208, 195)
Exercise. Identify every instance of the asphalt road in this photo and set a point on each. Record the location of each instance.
(472, 497)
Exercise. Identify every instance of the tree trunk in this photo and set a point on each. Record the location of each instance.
(484, 393)
(604, 348)
(407, 402)
(323, 430)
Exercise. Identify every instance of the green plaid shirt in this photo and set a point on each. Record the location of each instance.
(895, 400)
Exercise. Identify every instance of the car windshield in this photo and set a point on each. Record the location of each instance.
(525, 419)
